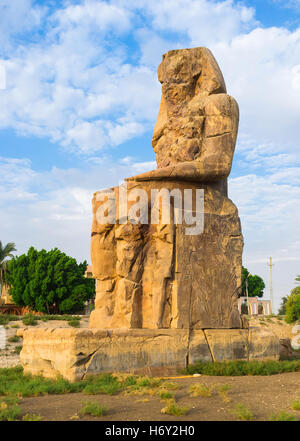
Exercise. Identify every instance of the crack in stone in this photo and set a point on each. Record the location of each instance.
(209, 347)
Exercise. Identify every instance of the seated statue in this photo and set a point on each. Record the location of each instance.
(155, 275)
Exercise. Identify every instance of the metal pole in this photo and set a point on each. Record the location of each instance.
(271, 284)
(247, 294)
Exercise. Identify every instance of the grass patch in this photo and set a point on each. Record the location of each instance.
(296, 405)
(144, 386)
(200, 390)
(93, 409)
(13, 382)
(164, 394)
(18, 349)
(13, 339)
(6, 318)
(14, 326)
(282, 416)
(32, 417)
(223, 391)
(102, 384)
(242, 412)
(74, 323)
(9, 409)
(29, 320)
(172, 408)
(67, 317)
(239, 368)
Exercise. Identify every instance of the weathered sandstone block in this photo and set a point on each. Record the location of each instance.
(156, 274)
(76, 353)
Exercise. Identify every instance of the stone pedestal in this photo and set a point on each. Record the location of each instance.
(77, 353)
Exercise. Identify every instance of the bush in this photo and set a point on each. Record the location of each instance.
(102, 384)
(31, 417)
(282, 416)
(18, 349)
(49, 282)
(29, 320)
(243, 413)
(238, 368)
(9, 409)
(293, 306)
(296, 405)
(172, 408)
(93, 409)
(14, 339)
(74, 323)
(6, 318)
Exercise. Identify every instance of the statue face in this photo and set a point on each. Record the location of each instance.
(176, 67)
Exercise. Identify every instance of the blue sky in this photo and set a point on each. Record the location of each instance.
(82, 96)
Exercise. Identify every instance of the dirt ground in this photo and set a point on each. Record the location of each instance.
(262, 395)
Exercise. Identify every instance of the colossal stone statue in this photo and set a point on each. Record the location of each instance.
(156, 275)
(166, 248)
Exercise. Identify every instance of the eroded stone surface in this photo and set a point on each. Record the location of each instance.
(155, 275)
(76, 353)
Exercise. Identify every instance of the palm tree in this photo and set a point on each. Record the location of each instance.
(5, 252)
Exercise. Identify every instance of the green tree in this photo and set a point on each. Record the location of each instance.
(297, 279)
(49, 281)
(256, 285)
(293, 306)
(282, 308)
(5, 252)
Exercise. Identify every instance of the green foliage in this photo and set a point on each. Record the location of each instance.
(18, 349)
(5, 252)
(282, 416)
(293, 306)
(74, 323)
(31, 417)
(6, 318)
(282, 308)
(49, 281)
(200, 390)
(29, 320)
(9, 409)
(239, 368)
(242, 412)
(296, 405)
(94, 409)
(256, 285)
(164, 394)
(13, 382)
(67, 317)
(102, 384)
(14, 339)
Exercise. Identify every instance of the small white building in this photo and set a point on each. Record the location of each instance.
(256, 306)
